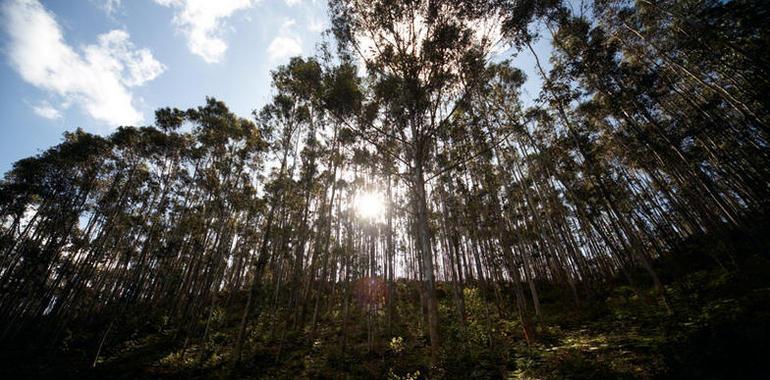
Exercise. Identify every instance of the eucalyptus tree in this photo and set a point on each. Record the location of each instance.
(133, 216)
(56, 187)
(295, 107)
(422, 60)
(650, 127)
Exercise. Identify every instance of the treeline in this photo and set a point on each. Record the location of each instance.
(651, 126)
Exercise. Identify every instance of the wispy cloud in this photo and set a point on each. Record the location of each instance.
(111, 6)
(202, 21)
(46, 110)
(98, 77)
(286, 44)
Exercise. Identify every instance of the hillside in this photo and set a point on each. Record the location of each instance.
(719, 329)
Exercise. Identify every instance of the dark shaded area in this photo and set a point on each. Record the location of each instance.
(719, 330)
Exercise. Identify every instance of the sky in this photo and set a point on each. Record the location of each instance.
(99, 64)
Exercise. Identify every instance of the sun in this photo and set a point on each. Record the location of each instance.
(369, 205)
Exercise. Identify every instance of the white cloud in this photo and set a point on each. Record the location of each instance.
(98, 79)
(111, 6)
(284, 47)
(286, 44)
(201, 22)
(288, 24)
(316, 25)
(116, 51)
(44, 109)
(292, 3)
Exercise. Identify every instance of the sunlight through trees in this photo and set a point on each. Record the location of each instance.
(397, 185)
(369, 205)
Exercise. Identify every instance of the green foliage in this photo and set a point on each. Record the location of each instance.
(396, 345)
(407, 376)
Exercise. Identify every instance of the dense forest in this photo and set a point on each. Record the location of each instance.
(400, 210)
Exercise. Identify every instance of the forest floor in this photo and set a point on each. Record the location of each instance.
(718, 287)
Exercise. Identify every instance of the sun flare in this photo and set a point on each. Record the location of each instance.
(369, 205)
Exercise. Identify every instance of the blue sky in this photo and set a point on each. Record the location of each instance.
(97, 64)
